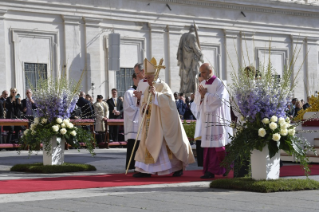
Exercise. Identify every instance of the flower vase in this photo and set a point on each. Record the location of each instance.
(263, 167)
(56, 154)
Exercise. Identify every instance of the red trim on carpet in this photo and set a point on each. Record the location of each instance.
(115, 180)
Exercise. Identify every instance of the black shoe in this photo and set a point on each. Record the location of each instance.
(178, 173)
(140, 175)
(207, 175)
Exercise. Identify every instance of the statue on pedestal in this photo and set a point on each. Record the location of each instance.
(188, 55)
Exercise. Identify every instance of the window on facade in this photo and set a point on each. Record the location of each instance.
(33, 72)
(124, 80)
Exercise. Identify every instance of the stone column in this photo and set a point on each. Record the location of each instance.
(73, 64)
(157, 45)
(298, 64)
(312, 75)
(174, 35)
(247, 49)
(232, 53)
(94, 62)
(6, 82)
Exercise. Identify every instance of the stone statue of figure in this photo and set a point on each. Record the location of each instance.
(188, 56)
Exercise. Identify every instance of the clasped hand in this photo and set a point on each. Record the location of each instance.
(137, 94)
(202, 90)
(152, 90)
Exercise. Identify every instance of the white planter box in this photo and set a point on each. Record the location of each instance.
(56, 155)
(263, 167)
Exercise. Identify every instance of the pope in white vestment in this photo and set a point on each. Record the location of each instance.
(212, 100)
(164, 147)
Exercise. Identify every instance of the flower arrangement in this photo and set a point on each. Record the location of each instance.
(55, 100)
(262, 103)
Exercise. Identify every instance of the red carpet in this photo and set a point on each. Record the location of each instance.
(114, 180)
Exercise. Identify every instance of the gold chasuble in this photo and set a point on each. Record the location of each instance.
(163, 124)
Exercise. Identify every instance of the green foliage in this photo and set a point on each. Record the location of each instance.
(265, 186)
(189, 129)
(40, 168)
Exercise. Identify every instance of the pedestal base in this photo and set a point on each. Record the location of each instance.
(263, 167)
(56, 155)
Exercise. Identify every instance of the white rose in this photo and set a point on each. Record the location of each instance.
(36, 120)
(70, 125)
(66, 121)
(276, 137)
(58, 120)
(55, 128)
(273, 126)
(283, 132)
(291, 132)
(63, 125)
(32, 126)
(63, 131)
(33, 132)
(73, 133)
(284, 125)
(262, 132)
(288, 120)
(265, 121)
(281, 121)
(44, 120)
(274, 119)
(26, 131)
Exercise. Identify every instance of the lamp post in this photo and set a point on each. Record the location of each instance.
(92, 87)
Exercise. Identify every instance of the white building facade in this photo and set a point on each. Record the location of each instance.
(53, 37)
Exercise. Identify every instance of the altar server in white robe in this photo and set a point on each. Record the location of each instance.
(141, 87)
(198, 128)
(212, 100)
(131, 111)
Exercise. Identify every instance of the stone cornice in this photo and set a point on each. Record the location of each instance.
(297, 39)
(71, 19)
(175, 29)
(157, 27)
(2, 14)
(267, 7)
(93, 22)
(312, 40)
(247, 35)
(231, 33)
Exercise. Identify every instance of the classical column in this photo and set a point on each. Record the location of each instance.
(157, 44)
(312, 76)
(73, 64)
(247, 49)
(232, 53)
(298, 64)
(94, 63)
(6, 82)
(174, 35)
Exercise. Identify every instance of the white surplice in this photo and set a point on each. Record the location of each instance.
(198, 127)
(142, 86)
(131, 115)
(215, 114)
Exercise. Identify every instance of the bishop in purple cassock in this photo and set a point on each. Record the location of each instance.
(212, 100)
